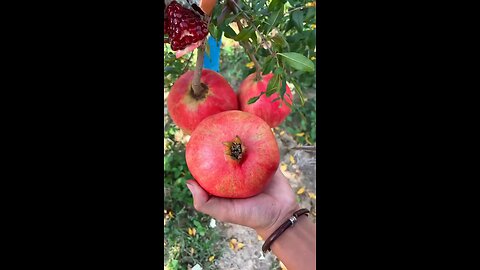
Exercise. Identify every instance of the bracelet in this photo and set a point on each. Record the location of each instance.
(287, 224)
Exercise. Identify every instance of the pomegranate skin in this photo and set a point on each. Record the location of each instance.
(220, 174)
(264, 108)
(187, 112)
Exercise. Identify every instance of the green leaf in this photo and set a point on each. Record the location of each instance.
(280, 41)
(276, 5)
(258, 5)
(297, 17)
(228, 20)
(311, 12)
(244, 34)
(268, 65)
(213, 30)
(254, 99)
(312, 39)
(279, 71)
(197, 224)
(229, 32)
(298, 90)
(283, 87)
(273, 85)
(273, 20)
(173, 264)
(298, 61)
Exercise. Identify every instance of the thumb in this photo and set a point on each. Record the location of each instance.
(200, 196)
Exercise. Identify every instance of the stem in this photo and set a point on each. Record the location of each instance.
(236, 9)
(248, 49)
(305, 147)
(225, 11)
(188, 62)
(197, 74)
(297, 8)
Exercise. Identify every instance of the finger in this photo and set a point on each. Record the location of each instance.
(203, 202)
(200, 196)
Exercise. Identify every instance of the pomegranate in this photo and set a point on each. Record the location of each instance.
(232, 154)
(186, 24)
(273, 112)
(187, 110)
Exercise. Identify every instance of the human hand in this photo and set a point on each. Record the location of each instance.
(264, 212)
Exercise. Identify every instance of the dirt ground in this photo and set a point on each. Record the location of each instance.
(299, 166)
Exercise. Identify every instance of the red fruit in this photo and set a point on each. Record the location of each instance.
(187, 111)
(272, 112)
(181, 23)
(232, 154)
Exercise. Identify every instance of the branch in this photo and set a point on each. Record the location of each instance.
(197, 74)
(248, 49)
(236, 9)
(188, 62)
(225, 11)
(305, 147)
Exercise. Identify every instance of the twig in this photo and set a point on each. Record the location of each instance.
(225, 11)
(188, 62)
(305, 147)
(248, 49)
(236, 8)
(197, 74)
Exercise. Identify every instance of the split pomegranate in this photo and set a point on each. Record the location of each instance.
(187, 110)
(273, 112)
(185, 28)
(232, 154)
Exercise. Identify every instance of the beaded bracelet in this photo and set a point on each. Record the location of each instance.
(287, 224)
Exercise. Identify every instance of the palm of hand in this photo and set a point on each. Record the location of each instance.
(259, 212)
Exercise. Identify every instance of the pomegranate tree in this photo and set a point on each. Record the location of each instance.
(232, 154)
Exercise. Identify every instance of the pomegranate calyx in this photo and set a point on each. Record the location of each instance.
(202, 94)
(235, 148)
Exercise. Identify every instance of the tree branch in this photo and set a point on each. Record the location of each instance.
(236, 9)
(197, 74)
(225, 11)
(305, 147)
(248, 49)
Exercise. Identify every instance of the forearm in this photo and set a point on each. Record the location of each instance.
(296, 247)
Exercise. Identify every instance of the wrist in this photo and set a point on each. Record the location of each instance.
(282, 217)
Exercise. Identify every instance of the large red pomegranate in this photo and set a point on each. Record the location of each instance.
(273, 112)
(232, 154)
(187, 110)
